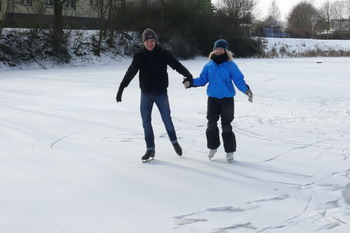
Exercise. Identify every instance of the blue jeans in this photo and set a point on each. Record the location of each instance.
(162, 102)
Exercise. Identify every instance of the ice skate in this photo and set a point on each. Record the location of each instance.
(229, 157)
(149, 155)
(211, 153)
(177, 148)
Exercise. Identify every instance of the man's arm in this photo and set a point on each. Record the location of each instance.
(129, 75)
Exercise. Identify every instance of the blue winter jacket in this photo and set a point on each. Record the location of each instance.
(221, 78)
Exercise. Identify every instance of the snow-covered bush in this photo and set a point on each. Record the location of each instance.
(22, 47)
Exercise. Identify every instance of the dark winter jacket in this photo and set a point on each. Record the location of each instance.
(153, 75)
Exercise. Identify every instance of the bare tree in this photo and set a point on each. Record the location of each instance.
(274, 16)
(326, 16)
(105, 9)
(239, 9)
(338, 9)
(240, 12)
(339, 14)
(336, 14)
(347, 11)
(302, 19)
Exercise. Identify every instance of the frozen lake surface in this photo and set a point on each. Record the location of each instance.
(71, 156)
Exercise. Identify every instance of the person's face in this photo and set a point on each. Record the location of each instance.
(219, 51)
(149, 44)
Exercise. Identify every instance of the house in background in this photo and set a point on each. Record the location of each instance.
(78, 13)
(22, 13)
(275, 31)
(341, 25)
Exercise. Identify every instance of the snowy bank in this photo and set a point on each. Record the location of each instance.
(290, 47)
(27, 48)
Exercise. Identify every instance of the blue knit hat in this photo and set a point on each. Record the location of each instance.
(220, 44)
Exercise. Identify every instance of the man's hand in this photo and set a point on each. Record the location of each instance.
(119, 95)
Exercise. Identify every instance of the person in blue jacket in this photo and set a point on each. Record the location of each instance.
(222, 74)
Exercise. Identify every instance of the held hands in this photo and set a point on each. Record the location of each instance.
(250, 95)
(188, 82)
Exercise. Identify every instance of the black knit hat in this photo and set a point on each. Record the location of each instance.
(220, 44)
(148, 34)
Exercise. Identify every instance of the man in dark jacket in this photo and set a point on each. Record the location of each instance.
(151, 63)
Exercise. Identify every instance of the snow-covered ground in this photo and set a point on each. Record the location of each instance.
(292, 47)
(70, 155)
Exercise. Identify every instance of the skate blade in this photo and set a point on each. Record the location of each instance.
(147, 160)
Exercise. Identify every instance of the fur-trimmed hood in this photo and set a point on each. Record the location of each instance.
(229, 54)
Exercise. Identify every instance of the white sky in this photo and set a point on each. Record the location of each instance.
(284, 5)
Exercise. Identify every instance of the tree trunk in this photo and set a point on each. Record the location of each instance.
(58, 40)
(58, 19)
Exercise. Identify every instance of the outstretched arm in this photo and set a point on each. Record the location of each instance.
(176, 65)
(203, 78)
(129, 75)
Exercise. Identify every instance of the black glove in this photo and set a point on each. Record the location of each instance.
(119, 94)
(249, 93)
(188, 82)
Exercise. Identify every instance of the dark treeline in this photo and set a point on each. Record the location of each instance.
(186, 27)
(189, 27)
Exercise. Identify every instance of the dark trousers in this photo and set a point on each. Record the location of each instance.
(223, 108)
